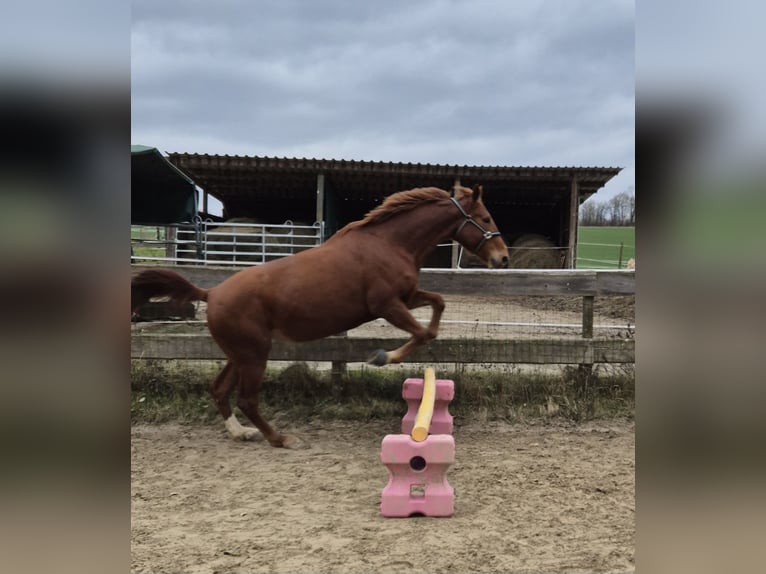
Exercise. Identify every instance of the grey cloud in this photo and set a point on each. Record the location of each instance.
(487, 82)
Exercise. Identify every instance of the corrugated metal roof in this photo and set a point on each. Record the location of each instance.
(242, 178)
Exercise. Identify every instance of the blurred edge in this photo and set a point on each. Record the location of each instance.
(701, 275)
(64, 213)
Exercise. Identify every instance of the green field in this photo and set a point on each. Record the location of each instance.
(599, 247)
(148, 233)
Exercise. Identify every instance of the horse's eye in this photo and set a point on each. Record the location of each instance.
(486, 220)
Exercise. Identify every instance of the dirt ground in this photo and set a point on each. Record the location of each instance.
(528, 498)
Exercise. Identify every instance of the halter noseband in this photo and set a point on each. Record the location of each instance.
(486, 234)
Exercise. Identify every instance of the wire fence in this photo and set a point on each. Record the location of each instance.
(605, 255)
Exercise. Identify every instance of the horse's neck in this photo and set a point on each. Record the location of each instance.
(420, 230)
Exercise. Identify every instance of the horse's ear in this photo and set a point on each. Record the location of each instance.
(478, 190)
(460, 192)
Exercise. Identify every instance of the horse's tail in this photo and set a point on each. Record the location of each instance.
(163, 283)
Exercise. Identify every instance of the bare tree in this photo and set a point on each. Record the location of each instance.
(601, 213)
(620, 210)
(588, 213)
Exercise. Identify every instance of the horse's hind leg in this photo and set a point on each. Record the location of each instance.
(221, 388)
(251, 376)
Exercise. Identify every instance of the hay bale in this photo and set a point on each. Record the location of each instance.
(529, 251)
(533, 251)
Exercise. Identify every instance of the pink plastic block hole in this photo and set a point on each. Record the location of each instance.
(417, 481)
(417, 491)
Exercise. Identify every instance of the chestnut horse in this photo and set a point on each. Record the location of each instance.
(367, 270)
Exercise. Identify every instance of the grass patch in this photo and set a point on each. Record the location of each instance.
(140, 233)
(599, 247)
(178, 391)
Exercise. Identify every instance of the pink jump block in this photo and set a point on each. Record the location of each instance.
(441, 421)
(417, 481)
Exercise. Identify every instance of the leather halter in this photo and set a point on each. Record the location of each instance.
(486, 234)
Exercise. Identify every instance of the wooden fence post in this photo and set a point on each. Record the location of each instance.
(338, 368)
(587, 329)
(171, 248)
(587, 316)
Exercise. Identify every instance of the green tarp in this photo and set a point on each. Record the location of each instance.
(160, 193)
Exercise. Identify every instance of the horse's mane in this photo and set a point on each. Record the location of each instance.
(397, 203)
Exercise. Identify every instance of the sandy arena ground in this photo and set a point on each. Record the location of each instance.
(542, 498)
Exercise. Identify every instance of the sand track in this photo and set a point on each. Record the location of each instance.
(528, 499)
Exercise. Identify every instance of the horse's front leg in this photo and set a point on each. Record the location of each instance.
(398, 314)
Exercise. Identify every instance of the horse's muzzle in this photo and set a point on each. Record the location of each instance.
(499, 262)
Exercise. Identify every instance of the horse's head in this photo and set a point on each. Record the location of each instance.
(478, 232)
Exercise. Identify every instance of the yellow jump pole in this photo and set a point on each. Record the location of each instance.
(426, 410)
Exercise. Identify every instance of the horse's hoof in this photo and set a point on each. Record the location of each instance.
(284, 441)
(246, 434)
(298, 443)
(378, 358)
(293, 442)
(250, 434)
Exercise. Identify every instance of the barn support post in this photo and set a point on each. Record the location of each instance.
(320, 198)
(338, 368)
(574, 205)
(455, 244)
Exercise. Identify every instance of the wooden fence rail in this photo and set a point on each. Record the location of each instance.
(508, 282)
(191, 341)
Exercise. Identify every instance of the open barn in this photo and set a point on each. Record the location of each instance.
(536, 208)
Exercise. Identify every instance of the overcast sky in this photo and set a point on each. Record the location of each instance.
(473, 82)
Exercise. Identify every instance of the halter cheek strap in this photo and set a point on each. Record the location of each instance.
(486, 234)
